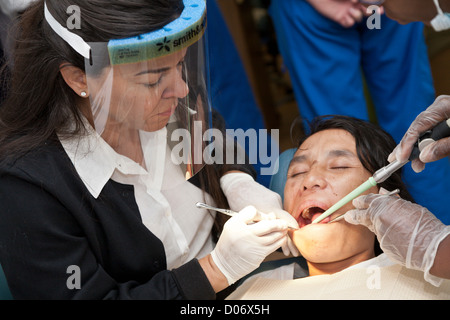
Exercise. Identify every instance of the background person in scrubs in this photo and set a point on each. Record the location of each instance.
(330, 51)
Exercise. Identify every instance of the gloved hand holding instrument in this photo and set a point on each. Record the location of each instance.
(241, 191)
(408, 233)
(437, 114)
(242, 245)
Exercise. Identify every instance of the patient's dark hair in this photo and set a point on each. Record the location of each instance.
(373, 146)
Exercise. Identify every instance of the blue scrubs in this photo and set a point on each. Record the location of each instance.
(327, 61)
(231, 93)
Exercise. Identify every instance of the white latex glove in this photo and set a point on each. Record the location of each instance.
(435, 114)
(408, 233)
(242, 190)
(242, 246)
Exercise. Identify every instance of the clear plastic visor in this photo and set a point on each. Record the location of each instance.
(154, 111)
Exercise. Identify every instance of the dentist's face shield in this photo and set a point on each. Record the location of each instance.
(148, 94)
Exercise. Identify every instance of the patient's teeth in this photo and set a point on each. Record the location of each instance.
(306, 213)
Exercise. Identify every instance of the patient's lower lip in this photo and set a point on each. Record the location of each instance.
(306, 222)
(317, 215)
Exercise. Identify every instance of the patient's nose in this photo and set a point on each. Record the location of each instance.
(314, 180)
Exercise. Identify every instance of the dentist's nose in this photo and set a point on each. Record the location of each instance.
(177, 87)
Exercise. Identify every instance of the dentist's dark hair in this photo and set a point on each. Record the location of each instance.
(39, 103)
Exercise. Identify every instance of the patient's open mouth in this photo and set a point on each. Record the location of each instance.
(309, 214)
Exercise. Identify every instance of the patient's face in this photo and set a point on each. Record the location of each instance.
(325, 169)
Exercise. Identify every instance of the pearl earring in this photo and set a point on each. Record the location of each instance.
(84, 94)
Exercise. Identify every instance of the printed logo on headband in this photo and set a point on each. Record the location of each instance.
(164, 45)
(181, 33)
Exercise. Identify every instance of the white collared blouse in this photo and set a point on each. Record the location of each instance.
(166, 201)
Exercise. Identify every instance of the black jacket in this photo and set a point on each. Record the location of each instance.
(49, 222)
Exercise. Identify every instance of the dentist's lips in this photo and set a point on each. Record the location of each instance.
(166, 114)
(311, 212)
(169, 112)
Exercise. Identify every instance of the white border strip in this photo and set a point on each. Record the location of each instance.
(74, 40)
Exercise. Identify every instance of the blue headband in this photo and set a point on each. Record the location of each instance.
(180, 33)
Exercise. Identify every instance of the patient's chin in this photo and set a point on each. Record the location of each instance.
(321, 243)
(337, 241)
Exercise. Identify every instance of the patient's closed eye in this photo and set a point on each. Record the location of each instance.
(297, 170)
(297, 173)
(342, 164)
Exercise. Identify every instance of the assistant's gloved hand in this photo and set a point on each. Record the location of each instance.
(242, 246)
(408, 233)
(435, 114)
(242, 190)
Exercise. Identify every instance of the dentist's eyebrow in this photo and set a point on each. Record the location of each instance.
(152, 71)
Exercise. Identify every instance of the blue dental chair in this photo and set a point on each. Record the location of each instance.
(5, 294)
(278, 180)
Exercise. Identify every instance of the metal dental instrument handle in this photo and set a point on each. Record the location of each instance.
(228, 212)
(340, 217)
(442, 130)
(384, 173)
